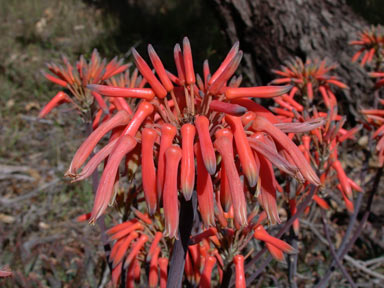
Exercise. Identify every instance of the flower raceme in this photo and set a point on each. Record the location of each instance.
(177, 128)
(223, 244)
(375, 117)
(75, 79)
(371, 42)
(138, 242)
(320, 143)
(308, 79)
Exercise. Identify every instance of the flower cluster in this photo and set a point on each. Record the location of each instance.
(197, 135)
(375, 118)
(312, 82)
(96, 71)
(308, 78)
(222, 246)
(371, 42)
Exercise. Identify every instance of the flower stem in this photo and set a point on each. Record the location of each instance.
(180, 248)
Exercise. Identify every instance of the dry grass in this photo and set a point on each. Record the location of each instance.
(39, 238)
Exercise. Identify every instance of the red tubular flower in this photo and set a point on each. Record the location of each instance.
(188, 62)
(231, 55)
(207, 151)
(170, 202)
(115, 248)
(143, 111)
(206, 73)
(267, 149)
(135, 250)
(275, 252)
(60, 98)
(343, 178)
(188, 269)
(267, 197)
(247, 160)
(224, 146)
(83, 217)
(163, 264)
(148, 75)
(100, 101)
(348, 203)
(148, 169)
(130, 279)
(226, 74)
(262, 124)
(257, 92)
(256, 108)
(293, 210)
(309, 91)
(187, 168)
(238, 260)
(142, 93)
(121, 118)
(107, 180)
(154, 244)
(116, 273)
(121, 226)
(122, 248)
(203, 235)
(179, 61)
(55, 80)
(153, 278)
(225, 192)
(227, 108)
(321, 202)
(205, 281)
(143, 217)
(204, 189)
(324, 94)
(262, 235)
(92, 164)
(168, 133)
(292, 102)
(125, 231)
(159, 68)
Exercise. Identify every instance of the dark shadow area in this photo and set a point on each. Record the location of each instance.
(372, 11)
(163, 24)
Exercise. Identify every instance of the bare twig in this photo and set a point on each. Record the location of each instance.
(292, 259)
(363, 268)
(36, 119)
(374, 261)
(33, 193)
(346, 245)
(362, 265)
(105, 278)
(333, 252)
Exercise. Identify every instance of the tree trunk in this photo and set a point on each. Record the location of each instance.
(272, 31)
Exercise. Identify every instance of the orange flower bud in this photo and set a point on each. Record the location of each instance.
(148, 169)
(204, 189)
(207, 151)
(170, 201)
(187, 169)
